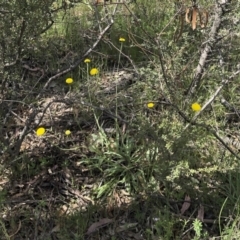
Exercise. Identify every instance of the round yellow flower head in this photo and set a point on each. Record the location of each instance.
(94, 71)
(122, 39)
(69, 80)
(196, 107)
(87, 60)
(40, 131)
(150, 105)
(67, 132)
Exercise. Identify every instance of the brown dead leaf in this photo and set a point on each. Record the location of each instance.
(186, 204)
(194, 18)
(200, 215)
(97, 225)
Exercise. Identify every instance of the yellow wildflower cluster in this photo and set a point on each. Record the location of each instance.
(94, 71)
(150, 105)
(196, 107)
(67, 132)
(87, 60)
(69, 81)
(121, 39)
(40, 131)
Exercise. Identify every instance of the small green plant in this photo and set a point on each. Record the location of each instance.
(119, 161)
(197, 227)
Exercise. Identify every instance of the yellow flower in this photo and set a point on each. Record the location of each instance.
(93, 71)
(40, 131)
(87, 60)
(196, 107)
(69, 80)
(67, 132)
(122, 39)
(150, 105)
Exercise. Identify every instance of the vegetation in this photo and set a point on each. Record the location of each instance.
(119, 120)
